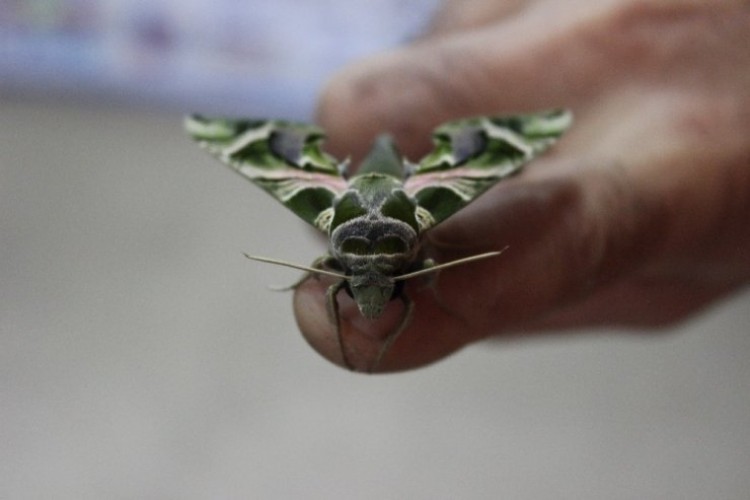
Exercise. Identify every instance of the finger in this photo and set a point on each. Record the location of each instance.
(641, 304)
(556, 54)
(363, 339)
(513, 66)
(460, 15)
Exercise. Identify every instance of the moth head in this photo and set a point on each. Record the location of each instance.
(371, 291)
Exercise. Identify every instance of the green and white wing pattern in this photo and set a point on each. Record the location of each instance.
(471, 155)
(283, 158)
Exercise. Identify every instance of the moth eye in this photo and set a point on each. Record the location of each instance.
(390, 245)
(357, 246)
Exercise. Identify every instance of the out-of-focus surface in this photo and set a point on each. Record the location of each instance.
(141, 355)
(249, 57)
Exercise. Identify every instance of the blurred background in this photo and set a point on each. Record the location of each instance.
(141, 355)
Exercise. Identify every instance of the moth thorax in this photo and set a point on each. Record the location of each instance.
(371, 291)
(363, 236)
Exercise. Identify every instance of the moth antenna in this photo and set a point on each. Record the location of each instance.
(296, 266)
(452, 263)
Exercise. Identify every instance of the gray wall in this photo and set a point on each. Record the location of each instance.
(141, 355)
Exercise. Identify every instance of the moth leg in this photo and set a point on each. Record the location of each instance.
(391, 338)
(332, 306)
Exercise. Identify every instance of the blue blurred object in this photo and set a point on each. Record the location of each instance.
(220, 56)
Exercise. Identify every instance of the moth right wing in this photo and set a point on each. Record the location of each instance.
(473, 154)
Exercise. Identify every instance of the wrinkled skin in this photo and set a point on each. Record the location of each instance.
(639, 218)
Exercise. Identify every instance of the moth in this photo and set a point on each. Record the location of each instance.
(375, 217)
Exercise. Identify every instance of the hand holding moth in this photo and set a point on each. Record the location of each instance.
(637, 219)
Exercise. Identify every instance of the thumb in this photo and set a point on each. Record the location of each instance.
(460, 15)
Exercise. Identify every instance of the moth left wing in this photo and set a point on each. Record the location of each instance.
(471, 155)
(283, 158)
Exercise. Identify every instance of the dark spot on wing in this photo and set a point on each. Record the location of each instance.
(467, 143)
(288, 144)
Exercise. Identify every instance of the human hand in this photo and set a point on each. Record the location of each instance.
(638, 218)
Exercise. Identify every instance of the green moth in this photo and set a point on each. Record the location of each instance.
(374, 218)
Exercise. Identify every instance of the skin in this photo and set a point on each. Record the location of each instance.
(638, 218)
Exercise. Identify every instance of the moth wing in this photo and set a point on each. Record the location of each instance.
(472, 155)
(283, 158)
